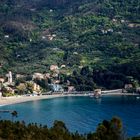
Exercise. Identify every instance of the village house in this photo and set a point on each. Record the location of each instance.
(114, 20)
(32, 9)
(18, 76)
(75, 53)
(6, 36)
(80, 67)
(128, 86)
(138, 90)
(57, 49)
(131, 25)
(10, 77)
(2, 80)
(47, 75)
(56, 81)
(43, 37)
(123, 21)
(53, 67)
(51, 10)
(57, 88)
(38, 76)
(68, 83)
(36, 88)
(63, 66)
(71, 88)
(55, 75)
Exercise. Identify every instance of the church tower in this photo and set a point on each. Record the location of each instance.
(10, 79)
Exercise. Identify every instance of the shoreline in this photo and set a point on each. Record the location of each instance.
(21, 99)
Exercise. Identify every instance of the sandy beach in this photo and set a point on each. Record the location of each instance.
(20, 99)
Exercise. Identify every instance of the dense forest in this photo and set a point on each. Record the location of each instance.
(106, 130)
(95, 39)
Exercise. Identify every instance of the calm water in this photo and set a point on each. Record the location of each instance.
(80, 113)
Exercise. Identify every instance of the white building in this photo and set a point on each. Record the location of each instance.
(10, 78)
(38, 76)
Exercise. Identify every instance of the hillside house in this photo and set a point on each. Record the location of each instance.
(56, 81)
(18, 76)
(6, 36)
(63, 66)
(47, 75)
(71, 88)
(38, 76)
(138, 90)
(128, 86)
(2, 80)
(53, 67)
(36, 88)
(10, 78)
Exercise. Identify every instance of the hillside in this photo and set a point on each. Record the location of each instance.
(101, 36)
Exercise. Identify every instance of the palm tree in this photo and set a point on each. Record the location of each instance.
(14, 114)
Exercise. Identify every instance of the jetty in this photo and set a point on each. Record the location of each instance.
(112, 91)
(6, 111)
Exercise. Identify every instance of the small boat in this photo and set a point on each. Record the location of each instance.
(92, 95)
(137, 97)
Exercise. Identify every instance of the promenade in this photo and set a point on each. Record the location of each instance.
(48, 95)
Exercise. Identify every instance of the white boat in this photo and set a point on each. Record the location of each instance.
(91, 96)
(137, 97)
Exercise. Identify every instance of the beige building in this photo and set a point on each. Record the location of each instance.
(2, 80)
(47, 75)
(128, 86)
(38, 76)
(19, 76)
(71, 88)
(53, 67)
(36, 87)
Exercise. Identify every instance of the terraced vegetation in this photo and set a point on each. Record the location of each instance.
(98, 37)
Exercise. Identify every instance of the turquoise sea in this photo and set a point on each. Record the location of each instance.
(81, 114)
